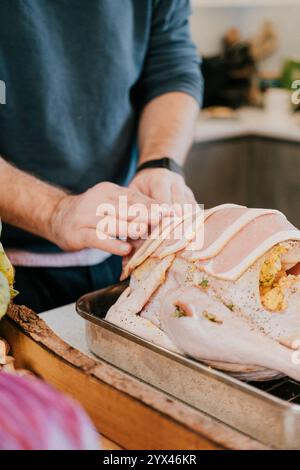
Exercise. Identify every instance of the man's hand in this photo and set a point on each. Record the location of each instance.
(93, 219)
(164, 186)
(76, 220)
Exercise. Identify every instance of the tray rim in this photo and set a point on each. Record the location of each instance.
(183, 360)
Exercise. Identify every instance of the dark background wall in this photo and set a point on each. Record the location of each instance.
(252, 171)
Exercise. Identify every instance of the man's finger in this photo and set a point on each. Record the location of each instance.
(114, 246)
(122, 228)
(140, 209)
(131, 205)
(151, 204)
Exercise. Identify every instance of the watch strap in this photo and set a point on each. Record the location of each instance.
(164, 162)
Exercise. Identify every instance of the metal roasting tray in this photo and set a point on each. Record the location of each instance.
(267, 411)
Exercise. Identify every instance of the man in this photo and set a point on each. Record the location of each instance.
(89, 85)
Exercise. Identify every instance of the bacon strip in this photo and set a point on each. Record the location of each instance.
(133, 300)
(150, 245)
(249, 243)
(159, 234)
(182, 235)
(234, 238)
(222, 237)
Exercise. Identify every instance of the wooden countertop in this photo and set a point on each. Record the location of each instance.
(129, 413)
(107, 444)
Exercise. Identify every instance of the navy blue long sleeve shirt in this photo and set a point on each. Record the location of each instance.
(77, 74)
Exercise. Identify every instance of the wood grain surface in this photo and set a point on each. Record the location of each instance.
(128, 412)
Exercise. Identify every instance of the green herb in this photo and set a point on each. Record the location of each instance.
(204, 283)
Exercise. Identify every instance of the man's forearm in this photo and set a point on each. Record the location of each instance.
(167, 127)
(27, 202)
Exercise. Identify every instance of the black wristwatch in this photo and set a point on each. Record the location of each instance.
(164, 162)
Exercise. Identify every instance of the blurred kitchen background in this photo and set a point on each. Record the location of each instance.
(247, 145)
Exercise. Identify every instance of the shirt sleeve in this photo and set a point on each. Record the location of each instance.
(172, 62)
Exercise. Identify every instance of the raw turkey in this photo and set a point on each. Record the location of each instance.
(229, 298)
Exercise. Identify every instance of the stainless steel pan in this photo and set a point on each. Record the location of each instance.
(267, 411)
